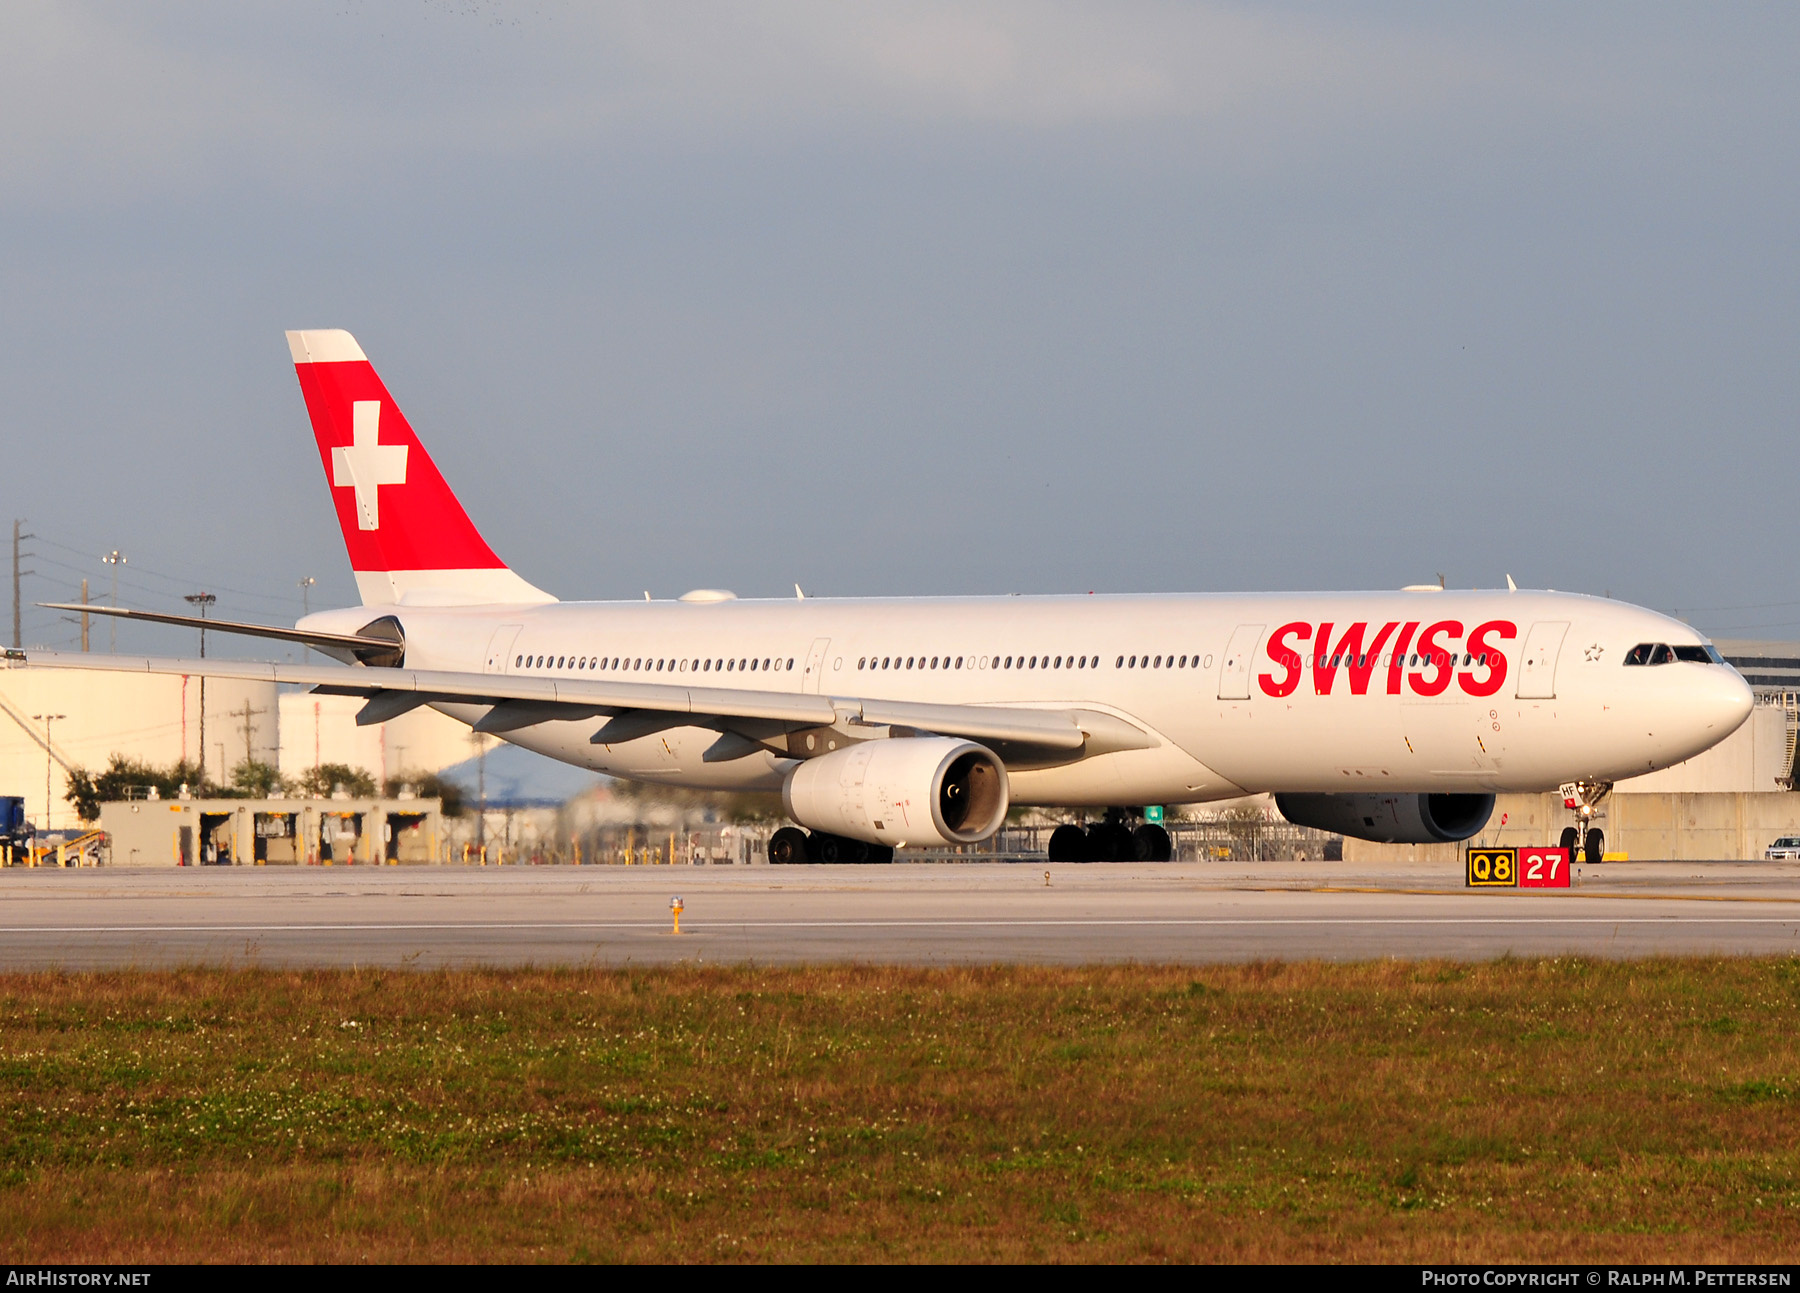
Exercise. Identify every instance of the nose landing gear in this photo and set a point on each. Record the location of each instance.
(1585, 841)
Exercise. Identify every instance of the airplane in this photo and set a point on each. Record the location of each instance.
(885, 722)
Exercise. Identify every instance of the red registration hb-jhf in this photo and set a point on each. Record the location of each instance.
(1543, 868)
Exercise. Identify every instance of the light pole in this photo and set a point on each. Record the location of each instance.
(47, 719)
(306, 587)
(115, 559)
(202, 600)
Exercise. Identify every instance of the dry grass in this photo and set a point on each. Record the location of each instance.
(1553, 1110)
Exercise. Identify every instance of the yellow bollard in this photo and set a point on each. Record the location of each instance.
(675, 906)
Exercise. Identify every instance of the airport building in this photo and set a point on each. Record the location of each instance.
(274, 832)
(56, 720)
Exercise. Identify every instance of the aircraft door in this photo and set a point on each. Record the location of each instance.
(499, 652)
(815, 667)
(1537, 669)
(1234, 673)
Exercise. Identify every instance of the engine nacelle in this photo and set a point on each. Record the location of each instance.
(1391, 819)
(901, 790)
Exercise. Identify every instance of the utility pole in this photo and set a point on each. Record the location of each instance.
(46, 720)
(18, 536)
(115, 559)
(246, 713)
(203, 600)
(84, 618)
(481, 791)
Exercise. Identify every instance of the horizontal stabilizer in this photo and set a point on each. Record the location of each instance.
(334, 643)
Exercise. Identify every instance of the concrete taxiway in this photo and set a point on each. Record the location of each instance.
(914, 914)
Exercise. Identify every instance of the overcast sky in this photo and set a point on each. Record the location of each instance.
(918, 297)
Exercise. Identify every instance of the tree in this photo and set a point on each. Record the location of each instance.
(712, 805)
(258, 780)
(428, 785)
(323, 780)
(125, 778)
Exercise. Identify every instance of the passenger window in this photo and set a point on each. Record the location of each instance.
(959, 661)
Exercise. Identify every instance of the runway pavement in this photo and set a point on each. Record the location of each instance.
(914, 914)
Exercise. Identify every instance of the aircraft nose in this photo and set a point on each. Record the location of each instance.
(1726, 702)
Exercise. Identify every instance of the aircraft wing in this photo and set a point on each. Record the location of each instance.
(636, 709)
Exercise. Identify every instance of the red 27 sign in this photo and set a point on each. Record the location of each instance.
(1543, 868)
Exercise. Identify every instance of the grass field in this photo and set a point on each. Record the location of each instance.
(1556, 1110)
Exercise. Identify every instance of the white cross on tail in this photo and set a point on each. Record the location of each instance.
(367, 463)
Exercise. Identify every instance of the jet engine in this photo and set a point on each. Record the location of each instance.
(901, 790)
(1391, 819)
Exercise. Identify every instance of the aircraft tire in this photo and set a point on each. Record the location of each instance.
(1571, 840)
(1595, 847)
(1151, 843)
(787, 846)
(1068, 843)
(1110, 842)
(880, 854)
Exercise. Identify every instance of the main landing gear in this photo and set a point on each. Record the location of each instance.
(791, 845)
(1111, 840)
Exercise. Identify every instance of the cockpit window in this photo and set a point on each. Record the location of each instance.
(1662, 653)
(1699, 655)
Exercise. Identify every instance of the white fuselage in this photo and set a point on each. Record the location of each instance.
(1230, 704)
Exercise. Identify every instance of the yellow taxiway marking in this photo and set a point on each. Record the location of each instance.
(1548, 893)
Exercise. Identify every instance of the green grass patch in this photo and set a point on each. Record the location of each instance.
(1548, 1110)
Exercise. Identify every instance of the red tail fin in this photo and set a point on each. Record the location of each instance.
(407, 535)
